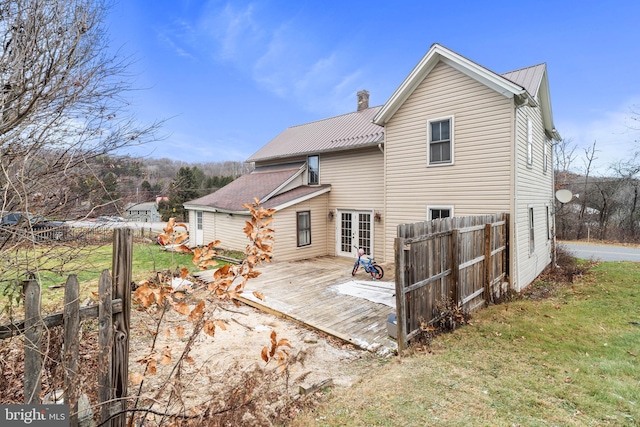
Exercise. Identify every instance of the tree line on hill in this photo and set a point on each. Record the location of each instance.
(603, 206)
(120, 181)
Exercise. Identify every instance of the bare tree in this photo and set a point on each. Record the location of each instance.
(61, 106)
(590, 156)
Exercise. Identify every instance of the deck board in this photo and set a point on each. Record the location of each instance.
(300, 290)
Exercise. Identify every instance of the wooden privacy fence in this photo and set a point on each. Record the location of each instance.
(461, 258)
(113, 314)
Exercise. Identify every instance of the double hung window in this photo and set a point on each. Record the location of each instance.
(440, 137)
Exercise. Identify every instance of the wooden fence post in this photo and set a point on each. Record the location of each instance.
(121, 271)
(105, 345)
(32, 342)
(71, 322)
(488, 263)
(455, 265)
(401, 312)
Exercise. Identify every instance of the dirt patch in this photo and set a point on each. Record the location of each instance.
(230, 363)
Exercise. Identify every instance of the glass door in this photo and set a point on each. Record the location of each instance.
(354, 232)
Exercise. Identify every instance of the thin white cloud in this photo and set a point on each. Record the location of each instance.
(282, 58)
(234, 29)
(616, 133)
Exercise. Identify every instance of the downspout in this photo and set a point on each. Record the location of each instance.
(384, 197)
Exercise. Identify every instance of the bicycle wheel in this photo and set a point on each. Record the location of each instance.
(377, 272)
(355, 268)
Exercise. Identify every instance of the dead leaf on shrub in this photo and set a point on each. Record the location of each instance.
(221, 325)
(166, 356)
(179, 331)
(209, 328)
(196, 313)
(151, 369)
(135, 378)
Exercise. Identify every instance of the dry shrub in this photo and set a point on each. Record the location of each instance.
(448, 316)
(563, 272)
(12, 364)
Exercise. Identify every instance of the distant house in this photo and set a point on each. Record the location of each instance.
(454, 139)
(143, 212)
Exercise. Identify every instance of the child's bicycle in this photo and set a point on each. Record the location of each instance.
(369, 265)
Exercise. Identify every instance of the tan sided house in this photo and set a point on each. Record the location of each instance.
(454, 139)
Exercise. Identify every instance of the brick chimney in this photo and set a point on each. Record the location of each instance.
(363, 100)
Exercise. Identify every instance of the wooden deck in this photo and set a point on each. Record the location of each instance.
(322, 294)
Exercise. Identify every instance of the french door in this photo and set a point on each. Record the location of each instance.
(354, 232)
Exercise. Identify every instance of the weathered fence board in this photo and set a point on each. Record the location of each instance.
(32, 343)
(105, 342)
(71, 316)
(91, 312)
(121, 271)
(461, 258)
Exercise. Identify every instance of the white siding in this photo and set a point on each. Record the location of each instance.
(284, 225)
(534, 190)
(226, 228)
(357, 183)
(479, 182)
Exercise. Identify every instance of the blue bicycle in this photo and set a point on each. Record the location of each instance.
(369, 265)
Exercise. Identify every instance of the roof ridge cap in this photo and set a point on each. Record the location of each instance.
(333, 117)
(524, 68)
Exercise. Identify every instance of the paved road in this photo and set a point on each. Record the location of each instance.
(603, 252)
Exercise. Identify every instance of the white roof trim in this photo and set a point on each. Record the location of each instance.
(436, 54)
(284, 184)
(320, 191)
(213, 210)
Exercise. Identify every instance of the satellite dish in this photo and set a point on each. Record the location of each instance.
(564, 196)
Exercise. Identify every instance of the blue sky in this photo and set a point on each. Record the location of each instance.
(229, 76)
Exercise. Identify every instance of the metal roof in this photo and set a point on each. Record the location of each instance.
(529, 78)
(343, 132)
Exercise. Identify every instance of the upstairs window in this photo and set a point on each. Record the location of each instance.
(440, 138)
(529, 143)
(545, 158)
(313, 170)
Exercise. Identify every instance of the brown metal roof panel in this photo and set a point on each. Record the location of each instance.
(340, 132)
(529, 77)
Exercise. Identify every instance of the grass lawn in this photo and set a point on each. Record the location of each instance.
(568, 360)
(147, 258)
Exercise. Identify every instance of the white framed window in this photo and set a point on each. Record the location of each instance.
(437, 212)
(532, 235)
(313, 170)
(303, 226)
(548, 211)
(440, 141)
(529, 143)
(199, 220)
(545, 158)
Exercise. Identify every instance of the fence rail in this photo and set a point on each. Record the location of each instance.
(461, 258)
